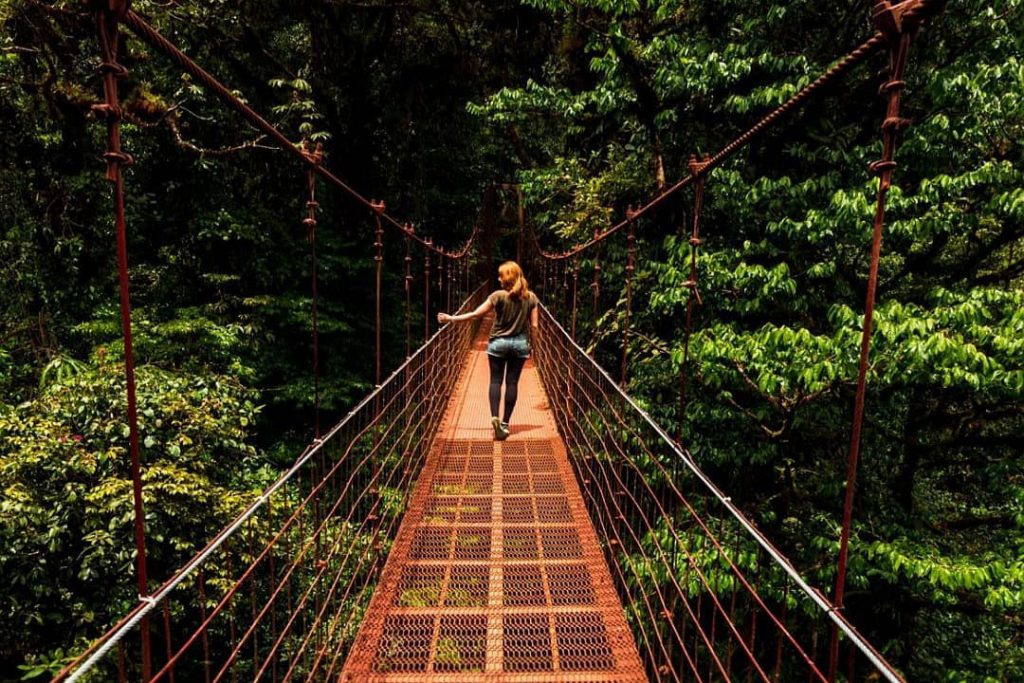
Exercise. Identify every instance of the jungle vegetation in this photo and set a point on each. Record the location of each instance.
(592, 106)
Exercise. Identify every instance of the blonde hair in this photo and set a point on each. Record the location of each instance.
(512, 280)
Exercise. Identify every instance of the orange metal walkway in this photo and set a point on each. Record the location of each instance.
(496, 573)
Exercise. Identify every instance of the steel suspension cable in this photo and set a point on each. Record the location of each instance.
(913, 14)
(683, 457)
(310, 500)
(141, 28)
(592, 407)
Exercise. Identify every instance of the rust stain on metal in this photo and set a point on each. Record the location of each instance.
(497, 573)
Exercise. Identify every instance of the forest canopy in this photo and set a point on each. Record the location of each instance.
(591, 106)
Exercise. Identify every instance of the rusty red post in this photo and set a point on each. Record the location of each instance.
(521, 215)
(316, 157)
(630, 267)
(108, 16)
(575, 286)
(426, 292)
(564, 298)
(408, 299)
(378, 257)
(697, 170)
(440, 279)
(460, 278)
(596, 286)
(888, 18)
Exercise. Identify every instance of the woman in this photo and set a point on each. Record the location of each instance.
(515, 314)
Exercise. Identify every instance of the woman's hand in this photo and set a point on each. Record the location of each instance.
(479, 312)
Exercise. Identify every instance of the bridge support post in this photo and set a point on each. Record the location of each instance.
(408, 300)
(108, 15)
(378, 258)
(378, 209)
(315, 157)
(426, 292)
(575, 286)
(698, 169)
(521, 216)
(630, 267)
(596, 285)
(889, 18)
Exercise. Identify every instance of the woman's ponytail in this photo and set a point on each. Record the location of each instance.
(512, 280)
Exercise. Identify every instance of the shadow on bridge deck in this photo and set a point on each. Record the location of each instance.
(496, 573)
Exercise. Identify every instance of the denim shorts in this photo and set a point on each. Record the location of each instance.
(509, 347)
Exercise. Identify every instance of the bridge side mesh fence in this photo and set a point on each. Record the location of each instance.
(706, 595)
(279, 594)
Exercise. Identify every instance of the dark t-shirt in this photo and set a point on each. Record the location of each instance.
(511, 316)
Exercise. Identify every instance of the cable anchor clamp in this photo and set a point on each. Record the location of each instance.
(692, 286)
(888, 16)
(697, 167)
(121, 158)
(895, 124)
(118, 70)
(314, 155)
(105, 110)
(881, 166)
(894, 85)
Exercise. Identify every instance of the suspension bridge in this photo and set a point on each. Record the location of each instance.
(404, 544)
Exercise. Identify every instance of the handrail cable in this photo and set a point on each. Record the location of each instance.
(99, 648)
(684, 456)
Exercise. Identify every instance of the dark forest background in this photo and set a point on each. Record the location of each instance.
(591, 105)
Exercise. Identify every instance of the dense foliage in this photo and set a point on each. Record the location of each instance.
(936, 566)
(219, 265)
(593, 105)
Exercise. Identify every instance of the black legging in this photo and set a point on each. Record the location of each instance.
(510, 369)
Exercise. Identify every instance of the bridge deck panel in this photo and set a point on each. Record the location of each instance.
(496, 573)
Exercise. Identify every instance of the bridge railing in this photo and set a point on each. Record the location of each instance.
(708, 597)
(279, 593)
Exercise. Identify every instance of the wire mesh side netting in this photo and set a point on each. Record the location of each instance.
(279, 593)
(707, 596)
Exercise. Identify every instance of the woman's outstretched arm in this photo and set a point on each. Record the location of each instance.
(481, 310)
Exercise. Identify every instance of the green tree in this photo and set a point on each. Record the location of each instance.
(638, 87)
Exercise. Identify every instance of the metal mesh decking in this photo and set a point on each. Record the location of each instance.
(496, 573)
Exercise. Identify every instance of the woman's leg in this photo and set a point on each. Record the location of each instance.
(515, 368)
(497, 366)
